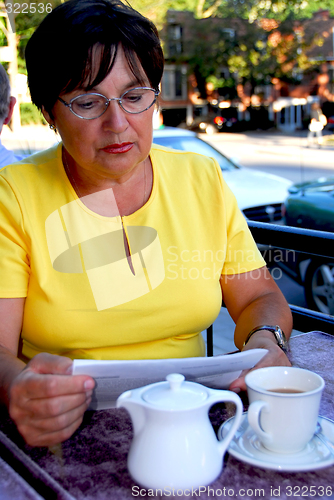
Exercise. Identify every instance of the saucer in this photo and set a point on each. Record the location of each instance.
(247, 447)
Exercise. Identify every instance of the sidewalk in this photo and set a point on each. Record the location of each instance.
(273, 142)
(36, 137)
(278, 153)
(29, 139)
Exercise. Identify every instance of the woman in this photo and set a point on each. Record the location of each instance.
(112, 248)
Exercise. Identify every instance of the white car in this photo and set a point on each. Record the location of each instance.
(259, 195)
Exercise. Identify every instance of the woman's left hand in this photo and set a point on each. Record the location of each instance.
(274, 357)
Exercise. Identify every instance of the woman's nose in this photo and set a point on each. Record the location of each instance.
(115, 118)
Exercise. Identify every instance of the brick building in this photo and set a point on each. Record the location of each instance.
(287, 104)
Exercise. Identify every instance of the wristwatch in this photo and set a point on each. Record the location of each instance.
(277, 332)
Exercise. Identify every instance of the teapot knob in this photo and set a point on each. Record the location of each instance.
(175, 380)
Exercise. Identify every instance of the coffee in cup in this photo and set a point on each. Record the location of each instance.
(284, 406)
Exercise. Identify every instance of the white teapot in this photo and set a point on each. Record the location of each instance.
(174, 444)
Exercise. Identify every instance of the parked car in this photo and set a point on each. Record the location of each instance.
(208, 124)
(228, 119)
(212, 123)
(259, 195)
(311, 205)
(330, 123)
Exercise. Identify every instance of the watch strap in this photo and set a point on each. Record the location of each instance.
(277, 332)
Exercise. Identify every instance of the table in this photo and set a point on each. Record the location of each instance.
(91, 465)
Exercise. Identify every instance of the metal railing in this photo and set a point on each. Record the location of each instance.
(306, 241)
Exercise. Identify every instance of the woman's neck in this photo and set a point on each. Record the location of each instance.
(111, 197)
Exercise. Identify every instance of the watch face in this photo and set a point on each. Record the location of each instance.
(278, 334)
(280, 337)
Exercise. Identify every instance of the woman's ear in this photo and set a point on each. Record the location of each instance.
(47, 116)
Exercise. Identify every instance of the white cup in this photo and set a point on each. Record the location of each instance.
(284, 421)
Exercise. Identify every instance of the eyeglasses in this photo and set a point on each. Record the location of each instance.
(91, 106)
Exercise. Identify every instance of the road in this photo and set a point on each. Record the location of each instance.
(277, 153)
(284, 155)
(280, 154)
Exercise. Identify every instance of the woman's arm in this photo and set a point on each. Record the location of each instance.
(254, 299)
(44, 400)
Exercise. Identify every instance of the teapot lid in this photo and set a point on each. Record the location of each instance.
(176, 394)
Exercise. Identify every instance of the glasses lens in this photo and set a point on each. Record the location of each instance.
(138, 100)
(89, 106)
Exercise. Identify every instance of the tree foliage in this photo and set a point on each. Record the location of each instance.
(267, 41)
(25, 25)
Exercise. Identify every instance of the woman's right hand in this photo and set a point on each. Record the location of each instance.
(46, 402)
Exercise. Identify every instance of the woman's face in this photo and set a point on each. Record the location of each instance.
(113, 145)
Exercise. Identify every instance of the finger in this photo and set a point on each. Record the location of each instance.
(53, 407)
(53, 431)
(275, 357)
(30, 385)
(50, 363)
(239, 384)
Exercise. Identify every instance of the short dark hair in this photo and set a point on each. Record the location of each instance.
(59, 55)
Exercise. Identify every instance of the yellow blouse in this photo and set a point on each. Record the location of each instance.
(83, 298)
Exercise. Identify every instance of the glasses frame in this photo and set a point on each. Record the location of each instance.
(107, 102)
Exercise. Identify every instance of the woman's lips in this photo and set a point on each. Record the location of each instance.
(118, 148)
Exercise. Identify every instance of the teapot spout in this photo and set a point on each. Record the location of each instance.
(134, 408)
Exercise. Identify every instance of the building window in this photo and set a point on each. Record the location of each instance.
(229, 32)
(175, 44)
(225, 73)
(174, 83)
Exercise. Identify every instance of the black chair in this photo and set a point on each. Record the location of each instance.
(317, 243)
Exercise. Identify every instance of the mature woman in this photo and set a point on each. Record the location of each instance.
(112, 248)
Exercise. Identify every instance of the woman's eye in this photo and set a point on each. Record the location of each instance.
(88, 103)
(132, 97)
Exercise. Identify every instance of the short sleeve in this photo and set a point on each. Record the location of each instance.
(14, 256)
(242, 254)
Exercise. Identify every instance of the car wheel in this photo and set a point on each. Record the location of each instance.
(319, 286)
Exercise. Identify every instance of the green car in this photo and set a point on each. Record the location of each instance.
(311, 205)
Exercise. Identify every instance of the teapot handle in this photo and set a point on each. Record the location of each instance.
(229, 396)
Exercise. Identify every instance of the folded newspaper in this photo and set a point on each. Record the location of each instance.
(115, 377)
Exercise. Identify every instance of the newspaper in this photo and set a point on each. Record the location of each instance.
(115, 377)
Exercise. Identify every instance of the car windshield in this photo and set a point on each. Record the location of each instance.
(195, 145)
(321, 189)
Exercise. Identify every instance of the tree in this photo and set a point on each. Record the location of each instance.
(311, 6)
(27, 22)
(18, 22)
(268, 41)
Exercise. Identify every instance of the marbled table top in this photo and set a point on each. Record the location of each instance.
(92, 464)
